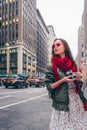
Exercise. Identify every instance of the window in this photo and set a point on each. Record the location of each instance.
(10, 6)
(13, 6)
(6, 6)
(16, 11)
(16, 26)
(13, 35)
(16, 35)
(29, 60)
(13, 26)
(16, 4)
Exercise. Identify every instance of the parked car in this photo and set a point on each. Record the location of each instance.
(2, 77)
(42, 82)
(36, 82)
(18, 82)
(22, 75)
(0, 82)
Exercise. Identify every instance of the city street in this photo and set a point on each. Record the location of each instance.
(24, 109)
(42, 43)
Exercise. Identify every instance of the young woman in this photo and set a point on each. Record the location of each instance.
(69, 104)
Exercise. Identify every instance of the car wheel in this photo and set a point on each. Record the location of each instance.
(19, 86)
(43, 85)
(6, 86)
(37, 85)
(16, 86)
(26, 86)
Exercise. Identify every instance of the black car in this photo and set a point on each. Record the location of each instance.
(2, 77)
(15, 82)
(36, 82)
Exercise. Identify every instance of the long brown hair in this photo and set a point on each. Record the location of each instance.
(67, 49)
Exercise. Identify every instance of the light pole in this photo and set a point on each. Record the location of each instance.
(34, 67)
(8, 58)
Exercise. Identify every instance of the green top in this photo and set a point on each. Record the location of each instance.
(60, 98)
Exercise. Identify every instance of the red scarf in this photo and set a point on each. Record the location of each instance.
(64, 64)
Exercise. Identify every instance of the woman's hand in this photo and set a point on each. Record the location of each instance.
(68, 79)
(79, 75)
(65, 79)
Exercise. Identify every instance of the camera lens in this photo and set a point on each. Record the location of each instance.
(74, 75)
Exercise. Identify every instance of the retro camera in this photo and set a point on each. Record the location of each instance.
(73, 74)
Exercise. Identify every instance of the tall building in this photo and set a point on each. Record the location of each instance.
(52, 36)
(42, 45)
(81, 45)
(85, 25)
(18, 36)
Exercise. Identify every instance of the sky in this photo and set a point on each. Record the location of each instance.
(65, 16)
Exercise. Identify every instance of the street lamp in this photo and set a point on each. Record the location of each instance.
(34, 66)
(8, 58)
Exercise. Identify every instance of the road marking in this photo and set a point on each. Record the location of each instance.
(5, 96)
(20, 91)
(36, 91)
(13, 92)
(30, 99)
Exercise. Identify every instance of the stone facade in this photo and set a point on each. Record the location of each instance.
(18, 36)
(85, 25)
(52, 36)
(42, 45)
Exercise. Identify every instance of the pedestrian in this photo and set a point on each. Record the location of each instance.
(69, 106)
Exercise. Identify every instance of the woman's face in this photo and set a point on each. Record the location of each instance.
(58, 47)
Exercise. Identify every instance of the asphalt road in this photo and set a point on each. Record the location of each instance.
(24, 109)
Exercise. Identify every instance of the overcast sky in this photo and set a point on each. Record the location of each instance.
(65, 16)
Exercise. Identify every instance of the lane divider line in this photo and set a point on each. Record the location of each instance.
(13, 92)
(18, 92)
(30, 99)
(5, 96)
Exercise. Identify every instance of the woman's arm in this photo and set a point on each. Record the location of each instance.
(65, 79)
(50, 80)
